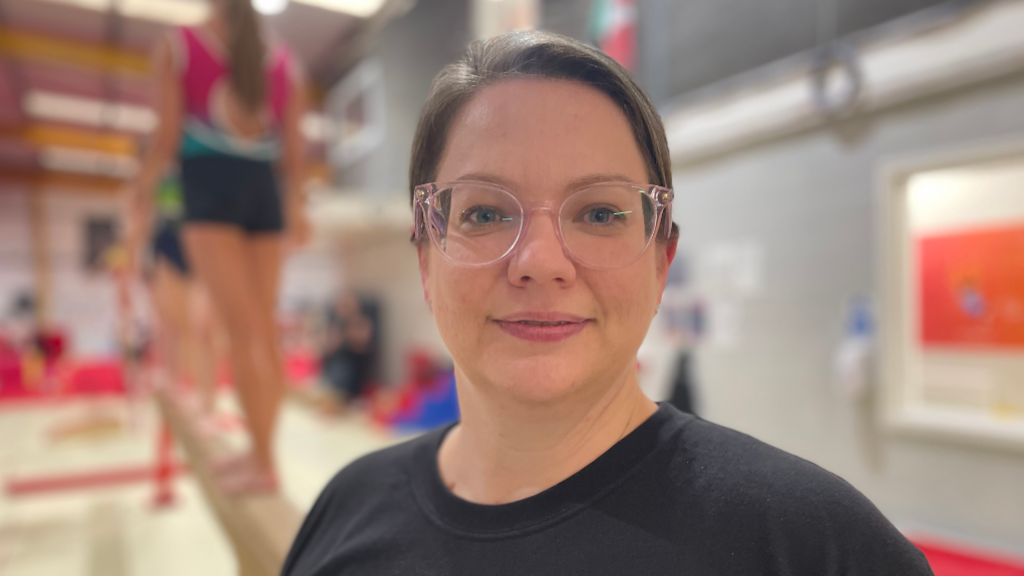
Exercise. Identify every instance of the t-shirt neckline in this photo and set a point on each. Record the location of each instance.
(551, 506)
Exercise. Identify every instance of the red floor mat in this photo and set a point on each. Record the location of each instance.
(77, 378)
(950, 560)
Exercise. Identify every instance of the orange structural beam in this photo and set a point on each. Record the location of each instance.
(41, 180)
(43, 135)
(30, 46)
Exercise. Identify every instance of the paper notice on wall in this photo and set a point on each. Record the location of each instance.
(728, 273)
(724, 321)
(732, 269)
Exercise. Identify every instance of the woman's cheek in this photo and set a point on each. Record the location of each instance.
(457, 307)
(630, 306)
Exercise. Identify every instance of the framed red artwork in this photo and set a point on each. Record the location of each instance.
(971, 288)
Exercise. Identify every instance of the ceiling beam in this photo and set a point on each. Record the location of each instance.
(29, 46)
(39, 180)
(42, 135)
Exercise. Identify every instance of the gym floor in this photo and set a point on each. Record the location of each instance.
(60, 513)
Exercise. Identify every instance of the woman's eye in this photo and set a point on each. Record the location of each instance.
(603, 215)
(481, 215)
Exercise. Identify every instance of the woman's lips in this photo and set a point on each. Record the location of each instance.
(542, 327)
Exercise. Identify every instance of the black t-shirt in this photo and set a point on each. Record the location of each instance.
(678, 495)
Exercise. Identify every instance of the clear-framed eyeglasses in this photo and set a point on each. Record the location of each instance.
(606, 225)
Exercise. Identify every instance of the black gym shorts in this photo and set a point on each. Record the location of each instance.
(167, 245)
(230, 190)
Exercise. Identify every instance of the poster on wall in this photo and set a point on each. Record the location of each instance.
(971, 289)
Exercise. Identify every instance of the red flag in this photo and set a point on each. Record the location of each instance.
(613, 27)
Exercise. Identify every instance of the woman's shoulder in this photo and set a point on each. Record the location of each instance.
(733, 473)
(367, 497)
(737, 486)
(377, 471)
(726, 458)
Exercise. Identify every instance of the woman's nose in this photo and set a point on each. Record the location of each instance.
(539, 255)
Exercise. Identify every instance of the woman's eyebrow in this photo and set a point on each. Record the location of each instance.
(598, 179)
(572, 185)
(486, 177)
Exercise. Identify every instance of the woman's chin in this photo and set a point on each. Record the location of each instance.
(537, 379)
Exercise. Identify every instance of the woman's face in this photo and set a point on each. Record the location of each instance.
(541, 138)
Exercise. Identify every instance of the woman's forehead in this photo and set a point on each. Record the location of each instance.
(551, 134)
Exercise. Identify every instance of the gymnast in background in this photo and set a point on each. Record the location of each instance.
(186, 325)
(229, 101)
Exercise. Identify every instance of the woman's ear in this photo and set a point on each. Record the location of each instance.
(670, 253)
(423, 254)
(665, 262)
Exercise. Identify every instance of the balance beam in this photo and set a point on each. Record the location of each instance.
(260, 527)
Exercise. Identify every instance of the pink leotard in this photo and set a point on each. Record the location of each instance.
(202, 65)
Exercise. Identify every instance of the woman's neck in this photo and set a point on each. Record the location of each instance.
(506, 451)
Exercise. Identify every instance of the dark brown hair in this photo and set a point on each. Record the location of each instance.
(246, 53)
(534, 54)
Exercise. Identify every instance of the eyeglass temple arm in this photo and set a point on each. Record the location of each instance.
(420, 194)
(663, 197)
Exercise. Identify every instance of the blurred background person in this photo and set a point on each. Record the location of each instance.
(349, 350)
(229, 101)
(186, 325)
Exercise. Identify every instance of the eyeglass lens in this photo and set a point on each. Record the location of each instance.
(602, 226)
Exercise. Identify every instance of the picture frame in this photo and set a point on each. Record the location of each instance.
(909, 356)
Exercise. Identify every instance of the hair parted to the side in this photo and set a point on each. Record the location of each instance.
(246, 52)
(534, 54)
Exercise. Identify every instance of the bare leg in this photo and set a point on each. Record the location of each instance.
(204, 353)
(223, 259)
(266, 252)
(170, 299)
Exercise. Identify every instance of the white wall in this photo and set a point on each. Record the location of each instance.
(410, 51)
(311, 276)
(809, 205)
(386, 266)
(84, 302)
